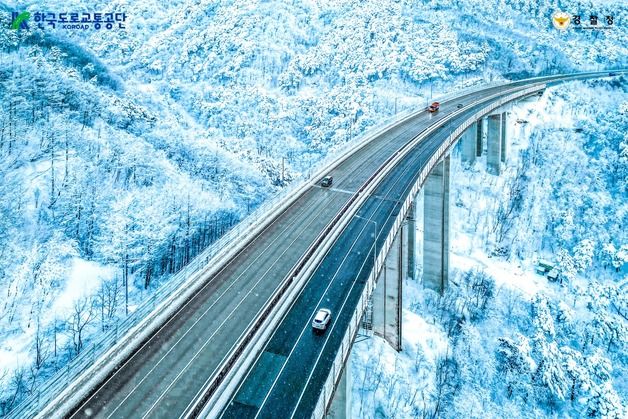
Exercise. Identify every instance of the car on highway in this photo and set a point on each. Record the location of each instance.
(327, 181)
(433, 107)
(459, 106)
(612, 74)
(321, 320)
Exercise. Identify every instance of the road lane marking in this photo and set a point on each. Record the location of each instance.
(253, 288)
(307, 327)
(416, 157)
(379, 149)
(389, 190)
(404, 193)
(209, 282)
(344, 303)
(205, 312)
(335, 190)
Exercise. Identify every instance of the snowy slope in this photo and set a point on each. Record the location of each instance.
(504, 341)
(124, 153)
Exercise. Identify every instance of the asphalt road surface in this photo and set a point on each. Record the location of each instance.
(165, 376)
(288, 376)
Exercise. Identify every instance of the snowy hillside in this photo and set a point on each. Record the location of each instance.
(504, 341)
(124, 153)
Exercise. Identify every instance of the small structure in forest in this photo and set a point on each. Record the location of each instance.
(543, 267)
(547, 269)
(553, 275)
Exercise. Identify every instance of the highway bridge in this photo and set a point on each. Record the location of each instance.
(239, 342)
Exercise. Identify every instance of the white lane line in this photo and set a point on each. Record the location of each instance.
(334, 190)
(307, 327)
(294, 411)
(344, 303)
(210, 282)
(403, 172)
(328, 334)
(379, 149)
(223, 323)
(301, 334)
(203, 315)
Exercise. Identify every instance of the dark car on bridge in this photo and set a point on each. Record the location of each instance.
(327, 181)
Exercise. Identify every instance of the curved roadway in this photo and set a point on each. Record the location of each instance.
(167, 374)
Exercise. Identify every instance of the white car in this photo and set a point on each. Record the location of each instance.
(322, 319)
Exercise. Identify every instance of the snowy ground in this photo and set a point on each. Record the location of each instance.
(125, 148)
(407, 384)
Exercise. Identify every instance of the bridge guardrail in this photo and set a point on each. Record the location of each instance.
(131, 330)
(338, 365)
(215, 404)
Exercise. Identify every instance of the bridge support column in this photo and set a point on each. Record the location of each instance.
(387, 303)
(494, 144)
(469, 143)
(341, 404)
(504, 139)
(479, 136)
(436, 228)
(411, 245)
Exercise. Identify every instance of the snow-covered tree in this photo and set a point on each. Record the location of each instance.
(550, 372)
(583, 255)
(574, 365)
(605, 403)
(542, 318)
(515, 364)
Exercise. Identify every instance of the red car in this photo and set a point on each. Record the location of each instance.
(433, 107)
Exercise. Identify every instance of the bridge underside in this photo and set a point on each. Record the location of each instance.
(363, 271)
(384, 313)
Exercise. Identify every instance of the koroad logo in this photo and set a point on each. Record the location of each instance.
(18, 20)
(561, 20)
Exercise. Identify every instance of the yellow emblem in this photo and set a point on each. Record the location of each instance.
(561, 20)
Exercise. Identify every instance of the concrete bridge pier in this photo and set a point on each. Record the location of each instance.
(341, 403)
(497, 144)
(387, 295)
(411, 245)
(436, 227)
(480, 127)
(504, 152)
(469, 143)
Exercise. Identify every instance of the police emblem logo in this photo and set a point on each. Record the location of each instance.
(561, 20)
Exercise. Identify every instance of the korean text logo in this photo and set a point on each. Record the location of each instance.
(70, 20)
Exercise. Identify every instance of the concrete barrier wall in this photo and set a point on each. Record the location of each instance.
(327, 392)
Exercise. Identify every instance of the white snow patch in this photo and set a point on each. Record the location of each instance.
(84, 279)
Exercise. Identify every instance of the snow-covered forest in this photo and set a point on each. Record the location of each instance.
(124, 153)
(504, 341)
